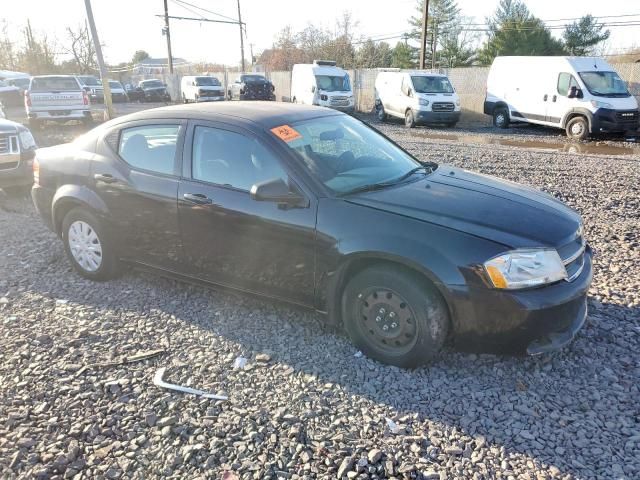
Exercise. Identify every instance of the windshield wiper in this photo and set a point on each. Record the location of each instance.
(380, 185)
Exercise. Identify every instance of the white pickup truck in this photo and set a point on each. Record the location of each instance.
(56, 98)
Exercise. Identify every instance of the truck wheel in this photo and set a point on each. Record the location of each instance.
(184, 99)
(577, 128)
(409, 119)
(381, 114)
(87, 246)
(394, 317)
(501, 117)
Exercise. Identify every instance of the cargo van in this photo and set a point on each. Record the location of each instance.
(417, 97)
(582, 95)
(201, 89)
(322, 83)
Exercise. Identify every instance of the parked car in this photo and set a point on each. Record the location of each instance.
(420, 98)
(56, 98)
(252, 87)
(322, 83)
(118, 93)
(134, 93)
(314, 207)
(201, 89)
(93, 86)
(21, 83)
(17, 149)
(582, 95)
(9, 95)
(153, 91)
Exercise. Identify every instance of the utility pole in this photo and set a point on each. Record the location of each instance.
(434, 35)
(241, 35)
(251, 47)
(423, 38)
(103, 69)
(168, 34)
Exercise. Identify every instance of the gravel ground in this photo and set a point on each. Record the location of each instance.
(305, 406)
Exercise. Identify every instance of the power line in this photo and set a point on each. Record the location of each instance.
(205, 10)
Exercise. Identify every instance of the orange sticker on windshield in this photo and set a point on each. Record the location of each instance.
(286, 133)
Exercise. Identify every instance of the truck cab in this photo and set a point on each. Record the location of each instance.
(582, 95)
(322, 83)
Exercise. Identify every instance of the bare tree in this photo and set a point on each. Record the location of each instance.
(82, 49)
(7, 53)
(38, 56)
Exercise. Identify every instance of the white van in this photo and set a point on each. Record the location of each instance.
(322, 83)
(417, 97)
(582, 95)
(201, 89)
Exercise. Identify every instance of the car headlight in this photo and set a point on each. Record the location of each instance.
(423, 101)
(597, 104)
(525, 268)
(26, 139)
(458, 103)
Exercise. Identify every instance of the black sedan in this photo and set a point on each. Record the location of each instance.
(314, 207)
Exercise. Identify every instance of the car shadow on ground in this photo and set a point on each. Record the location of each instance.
(545, 408)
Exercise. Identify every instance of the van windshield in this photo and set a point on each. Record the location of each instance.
(604, 84)
(207, 82)
(424, 84)
(333, 83)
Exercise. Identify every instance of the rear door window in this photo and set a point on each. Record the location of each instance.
(54, 84)
(150, 147)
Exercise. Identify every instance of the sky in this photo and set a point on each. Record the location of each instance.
(125, 26)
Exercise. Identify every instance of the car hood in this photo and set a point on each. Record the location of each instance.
(152, 89)
(7, 126)
(498, 210)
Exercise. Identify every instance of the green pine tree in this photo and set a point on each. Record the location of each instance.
(581, 37)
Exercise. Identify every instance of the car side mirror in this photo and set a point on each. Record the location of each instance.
(575, 92)
(278, 191)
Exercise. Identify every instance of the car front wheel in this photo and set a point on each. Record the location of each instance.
(577, 128)
(87, 246)
(394, 317)
(409, 119)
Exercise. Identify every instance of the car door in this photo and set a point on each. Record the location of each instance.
(136, 174)
(559, 103)
(228, 237)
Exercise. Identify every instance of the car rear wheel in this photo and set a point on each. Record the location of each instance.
(184, 99)
(394, 317)
(409, 119)
(381, 114)
(577, 128)
(501, 117)
(87, 246)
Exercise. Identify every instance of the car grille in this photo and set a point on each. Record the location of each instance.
(340, 101)
(212, 93)
(8, 144)
(443, 107)
(572, 255)
(630, 117)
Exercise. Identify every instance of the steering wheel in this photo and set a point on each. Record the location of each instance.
(344, 159)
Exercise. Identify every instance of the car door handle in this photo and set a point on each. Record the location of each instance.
(105, 178)
(554, 98)
(545, 97)
(197, 198)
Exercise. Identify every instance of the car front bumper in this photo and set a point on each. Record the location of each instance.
(615, 121)
(61, 115)
(530, 321)
(210, 99)
(15, 171)
(425, 117)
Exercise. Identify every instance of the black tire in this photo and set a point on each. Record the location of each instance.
(501, 117)
(394, 316)
(184, 99)
(409, 119)
(381, 114)
(109, 265)
(577, 128)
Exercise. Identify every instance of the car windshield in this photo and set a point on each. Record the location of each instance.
(253, 78)
(56, 84)
(604, 84)
(151, 84)
(207, 82)
(333, 83)
(90, 81)
(114, 84)
(346, 155)
(426, 84)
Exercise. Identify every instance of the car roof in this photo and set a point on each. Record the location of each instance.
(263, 114)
